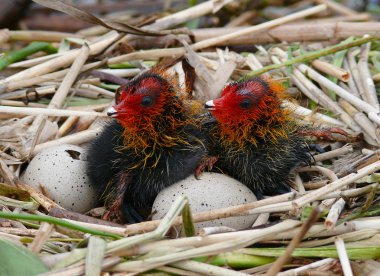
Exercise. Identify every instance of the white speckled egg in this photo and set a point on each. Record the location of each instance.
(212, 191)
(60, 173)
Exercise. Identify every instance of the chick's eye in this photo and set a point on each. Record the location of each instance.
(147, 101)
(246, 103)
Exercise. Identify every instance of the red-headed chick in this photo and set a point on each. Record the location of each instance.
(254, 139)
(154, 142)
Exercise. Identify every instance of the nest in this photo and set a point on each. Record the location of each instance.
(56, 86)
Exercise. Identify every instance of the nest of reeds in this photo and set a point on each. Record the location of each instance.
(56, 85)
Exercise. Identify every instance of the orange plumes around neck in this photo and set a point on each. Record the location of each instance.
(250, 110)
(151, 113)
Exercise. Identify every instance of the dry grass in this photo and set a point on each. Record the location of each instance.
(333, 84)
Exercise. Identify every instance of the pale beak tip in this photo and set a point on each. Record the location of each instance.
(112, 112)
(210, 105)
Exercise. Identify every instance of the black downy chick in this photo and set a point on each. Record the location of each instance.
(155, 142)
(254, 139)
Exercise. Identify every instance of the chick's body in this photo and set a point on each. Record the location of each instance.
(254, 139)
(154, 143)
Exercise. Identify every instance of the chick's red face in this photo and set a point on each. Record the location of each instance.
(141, 101)
(242, 101)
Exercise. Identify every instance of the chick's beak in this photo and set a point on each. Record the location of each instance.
(112, 112)
(210, 105)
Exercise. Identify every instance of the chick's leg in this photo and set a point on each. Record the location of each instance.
(207, 162)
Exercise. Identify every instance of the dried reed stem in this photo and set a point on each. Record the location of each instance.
(298, 203)
(210, 215)
(362, 120)
(216, 40)
(331, 70)
(299, 270)
(337, 7)
(334, 213)
(61, 61)
(75, 139)
(366, 78)
(310, 115)
(48, 36)
(147, 264)
(343, 257)
(333, 153)
(42, 235)
(48, 111)
(362, 105)
(95, 254)
(206, 269)
(281, 261)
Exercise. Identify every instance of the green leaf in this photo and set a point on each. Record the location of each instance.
(17, 260)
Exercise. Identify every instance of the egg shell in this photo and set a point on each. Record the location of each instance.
(60, 173)
(212, 191)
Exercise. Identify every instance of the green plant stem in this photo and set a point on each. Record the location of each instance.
(57, 221)
(236, 260)
(311, 56)
(354, 253)
(23, 53)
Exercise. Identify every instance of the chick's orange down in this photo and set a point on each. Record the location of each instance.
(253, 138)
(154, 142)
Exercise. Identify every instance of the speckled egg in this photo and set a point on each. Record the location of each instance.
(212, 191)
(60, 173)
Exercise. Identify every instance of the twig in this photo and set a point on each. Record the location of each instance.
(68, 81)
(125, 243)
(147, 264)
(75, 139)
(216, 40)
(28, 232)
(78, 270)
(48, 36)
(366, 78)
(351, 59)
(96, 250)
(334, 213)
(280, 262)
(210, 215)
(317, 95)
(42, 235)
(297, 203)
(59, 62)
(343, 257)
(48, 111)
(299, 270)
(305, 113)
(44, 201)
(333, 153)
(337, 7)
(206, 269)
(56, 221)
(362, 120)
(326, 172)
(312, 56)
(44, 78)
(351, 82)
(261, 219)
(331, 70)
(369, 109)
(299, 183)
(207, 231)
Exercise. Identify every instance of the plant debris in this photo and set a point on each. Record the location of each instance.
(56, 85)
